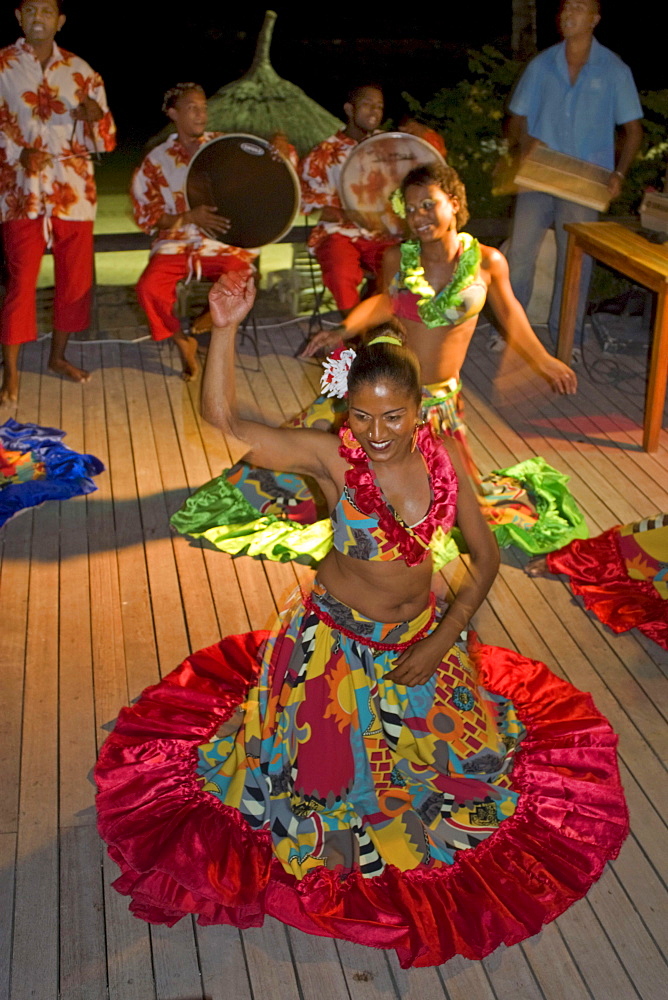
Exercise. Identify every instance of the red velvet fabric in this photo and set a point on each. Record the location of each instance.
(598, 574)
(181, 851)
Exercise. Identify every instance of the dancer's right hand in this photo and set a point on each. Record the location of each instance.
(232, 298)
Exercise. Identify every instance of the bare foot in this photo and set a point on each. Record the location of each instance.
(537, 567)
(9, 392)
(202, 324)
(62, 367)
(187, 348)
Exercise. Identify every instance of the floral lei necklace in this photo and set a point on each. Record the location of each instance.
(412, 542)
(432, 308)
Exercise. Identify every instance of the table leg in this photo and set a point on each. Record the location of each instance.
(657, 376)
(569, 300)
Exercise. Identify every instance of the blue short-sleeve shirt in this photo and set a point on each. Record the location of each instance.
(577, 119)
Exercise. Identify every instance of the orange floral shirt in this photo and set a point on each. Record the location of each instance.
(320, 173)
(36, 112)
(158, 188)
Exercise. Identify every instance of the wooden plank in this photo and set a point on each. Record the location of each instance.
(7, 867)
(35, 970)
(174, 953)
(593, 953)
(552, 965)
(645, 966)
(129, 960)
(75, 694)
(318, 967)
(129, 968)
(110, 679)
(175, 962)
(510, 974)
(465, 979)
(644, 887)
(14, 585)
(139, 642)
(166, 467)
(83, 966)
(415, 984)
(649, 826)
(270, 967)
(170, 628)
(367, 972)
(223, 963)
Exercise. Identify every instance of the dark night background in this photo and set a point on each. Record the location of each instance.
(143, 48)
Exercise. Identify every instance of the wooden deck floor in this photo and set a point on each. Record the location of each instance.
(99, 599)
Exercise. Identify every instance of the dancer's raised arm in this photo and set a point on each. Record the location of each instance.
(309, 452)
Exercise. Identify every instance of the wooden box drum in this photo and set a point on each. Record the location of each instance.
(250, 183)
(543, 169)
(373, 170)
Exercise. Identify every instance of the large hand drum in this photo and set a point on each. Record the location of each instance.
(250, 183)
(373, 170)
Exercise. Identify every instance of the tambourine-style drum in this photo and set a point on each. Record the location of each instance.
(250, 183)
(373, 170)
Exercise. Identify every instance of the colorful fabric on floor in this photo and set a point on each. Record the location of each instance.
(528, 505)
(622, 575)
(284, 774)
(36, 466)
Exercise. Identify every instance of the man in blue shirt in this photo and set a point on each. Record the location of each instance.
(571, 97)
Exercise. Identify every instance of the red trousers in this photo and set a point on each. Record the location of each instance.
(343, 262)
(156, 288)
(24, 245)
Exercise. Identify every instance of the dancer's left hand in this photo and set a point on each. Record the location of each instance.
(562, 378)
(417, 663)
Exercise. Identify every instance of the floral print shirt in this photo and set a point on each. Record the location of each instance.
(320, 173)
(159, 188)
(36, 112)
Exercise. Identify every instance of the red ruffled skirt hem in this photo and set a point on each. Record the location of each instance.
(181, 851)
(598, 574)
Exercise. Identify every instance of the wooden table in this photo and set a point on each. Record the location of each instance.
(642, 261)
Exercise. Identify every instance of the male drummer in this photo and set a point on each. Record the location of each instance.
(182, 249)
(578, 98)
(343, 249)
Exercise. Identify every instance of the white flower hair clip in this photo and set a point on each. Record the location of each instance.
(334, 381)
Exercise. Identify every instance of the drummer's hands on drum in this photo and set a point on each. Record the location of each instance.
(232, 298)
(206, 217)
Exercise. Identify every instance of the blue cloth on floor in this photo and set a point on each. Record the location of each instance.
(68, 473)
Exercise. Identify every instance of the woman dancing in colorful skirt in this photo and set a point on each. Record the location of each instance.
(365, 771)
(436, 284)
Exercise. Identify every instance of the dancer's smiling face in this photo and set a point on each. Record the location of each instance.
(430, 212)
(383, 416)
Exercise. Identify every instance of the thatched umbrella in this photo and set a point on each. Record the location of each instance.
(263, 103)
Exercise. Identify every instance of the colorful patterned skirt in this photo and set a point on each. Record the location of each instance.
(276, 515)
(622, 575)
(285, 774)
